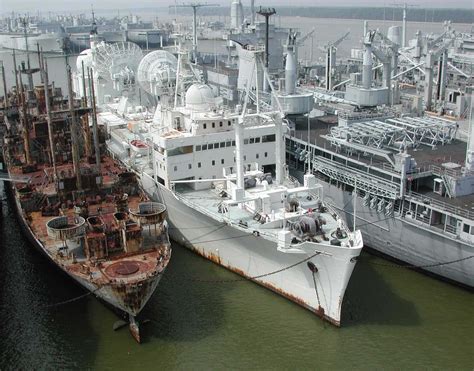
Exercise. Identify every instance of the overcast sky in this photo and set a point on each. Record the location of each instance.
(64, 5)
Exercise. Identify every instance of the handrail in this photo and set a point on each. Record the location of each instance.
(441, 205)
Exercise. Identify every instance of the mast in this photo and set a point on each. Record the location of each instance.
(30, 75)
(40, 62)
(279, 141)
(74, 139)
(24, 123)
(85, 118)
(239, 145)
(355, 205)
(95, 132)
(239, 138)
(44, 76)
(5, 94)
(16, 79)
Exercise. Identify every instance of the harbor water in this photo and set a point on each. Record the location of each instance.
(392, 318)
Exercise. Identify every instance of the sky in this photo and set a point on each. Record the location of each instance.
(33, 6)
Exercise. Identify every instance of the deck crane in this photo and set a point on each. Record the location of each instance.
(195, 7)
(330, 50)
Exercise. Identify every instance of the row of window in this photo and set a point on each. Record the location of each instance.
(221, 124)
(231, 143)
(213, 162)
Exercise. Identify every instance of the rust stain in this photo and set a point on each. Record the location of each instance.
(320, 312)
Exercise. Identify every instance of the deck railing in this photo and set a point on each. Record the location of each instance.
(443, 206)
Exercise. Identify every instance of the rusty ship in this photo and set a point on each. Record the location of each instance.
(78, 206)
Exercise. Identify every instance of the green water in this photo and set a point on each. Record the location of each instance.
(393, 319)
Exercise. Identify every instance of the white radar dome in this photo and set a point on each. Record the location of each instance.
(199, 97)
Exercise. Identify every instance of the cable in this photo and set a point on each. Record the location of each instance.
(254, 277)
(70, 300)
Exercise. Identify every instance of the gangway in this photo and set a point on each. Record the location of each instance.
(368, 183)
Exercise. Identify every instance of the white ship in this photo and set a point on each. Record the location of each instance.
(48, 42)
(213, 167)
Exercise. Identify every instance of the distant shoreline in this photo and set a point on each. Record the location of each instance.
(414, 14)
(455, 15)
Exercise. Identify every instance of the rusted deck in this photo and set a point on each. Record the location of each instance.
(151, 259)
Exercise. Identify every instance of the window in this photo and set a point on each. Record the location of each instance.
(180, 151)
(213, 124)
(268, 138)
(228, 143)
(246, 141)
(252, 140)
(220, 124)
(266, 154)
(199, 164)
(190, 166)
(229, 123)
(222, 161)
(198, 148)
(466, 228)
(210, 146)
(257, 140)
(256, 156)
(233, 143)
(222, 144)
(175, 168)
(204, 147)
(204, 126)
(213, 162)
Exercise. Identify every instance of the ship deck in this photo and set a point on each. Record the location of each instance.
(208, 201)
(427, 159)
(454, 152)
(122, 267)
(106, 270)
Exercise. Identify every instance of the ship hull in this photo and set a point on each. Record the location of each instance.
(147, 38)
(49, 43)
(113, 295)
(254, 257)
(405, 239)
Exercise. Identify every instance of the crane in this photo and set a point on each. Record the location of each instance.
(404, 6)
(330, 50)
(301, 41)
(195, 7)
(431, 56)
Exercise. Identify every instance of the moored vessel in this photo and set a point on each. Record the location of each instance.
(221, 174)
(79, 207)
